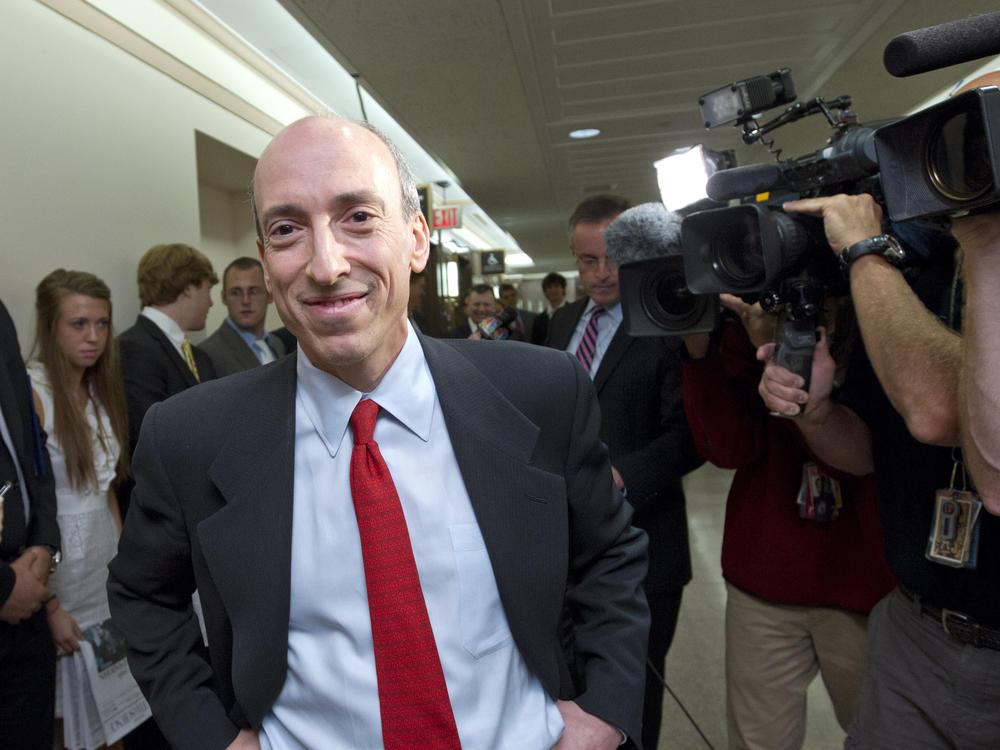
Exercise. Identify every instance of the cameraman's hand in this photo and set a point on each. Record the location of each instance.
(759, 325)
(846, 218)
(782, 390)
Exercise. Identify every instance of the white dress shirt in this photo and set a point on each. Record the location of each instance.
(607, 326)
(330, 696)
(169, 327)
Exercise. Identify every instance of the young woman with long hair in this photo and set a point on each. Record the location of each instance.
(80, 399)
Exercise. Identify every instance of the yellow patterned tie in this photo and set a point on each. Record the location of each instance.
(189, 358)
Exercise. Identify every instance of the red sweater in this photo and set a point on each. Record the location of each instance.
(767, 549)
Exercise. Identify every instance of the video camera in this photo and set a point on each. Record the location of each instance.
(942, 161)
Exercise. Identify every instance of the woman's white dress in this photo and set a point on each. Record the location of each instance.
(89, 535)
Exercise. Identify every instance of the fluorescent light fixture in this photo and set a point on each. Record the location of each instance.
(682, 175)
(584, 133)
(519, 259)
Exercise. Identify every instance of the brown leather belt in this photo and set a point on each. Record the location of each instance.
(959, 626)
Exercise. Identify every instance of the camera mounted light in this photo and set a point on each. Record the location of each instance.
(682, 176)
(741, 100)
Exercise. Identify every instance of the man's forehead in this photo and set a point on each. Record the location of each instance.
(987, 79)
(248, 276)
(322, 140)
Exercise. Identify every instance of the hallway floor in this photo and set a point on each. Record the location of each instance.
(695, 664)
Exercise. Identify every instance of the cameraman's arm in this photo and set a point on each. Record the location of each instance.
(979, 400)
(835, 434)
(915, 357)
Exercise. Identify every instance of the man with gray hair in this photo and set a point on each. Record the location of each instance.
(421, 541)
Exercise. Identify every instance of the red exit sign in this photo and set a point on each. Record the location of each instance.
(449, 217)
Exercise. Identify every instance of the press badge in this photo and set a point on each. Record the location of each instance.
(819, 496)
(954, 537)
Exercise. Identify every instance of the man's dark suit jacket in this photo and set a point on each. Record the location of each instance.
(229, 352)
(213, 506)
(15, 397)
(642, 422)
(154, 371)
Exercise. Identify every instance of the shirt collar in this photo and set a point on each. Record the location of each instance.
(247, 336)
(166, 324)
(614, 312)
(406, 392)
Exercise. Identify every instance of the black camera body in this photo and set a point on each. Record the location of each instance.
(656, 300)
(944, 159)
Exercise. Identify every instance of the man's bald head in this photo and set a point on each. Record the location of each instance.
(987, 79)
(409, 200)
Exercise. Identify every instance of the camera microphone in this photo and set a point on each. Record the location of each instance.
(645, 242)
(740, 182)
(643, 232)
(494, 328)
(945, 44)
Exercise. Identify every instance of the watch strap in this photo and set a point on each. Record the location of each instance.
(884, 245)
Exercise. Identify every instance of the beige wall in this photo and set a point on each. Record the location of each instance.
(97, 162)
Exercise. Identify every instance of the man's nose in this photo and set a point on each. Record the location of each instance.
(328, 262)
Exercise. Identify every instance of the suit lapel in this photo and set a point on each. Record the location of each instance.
(247, 544)
(169, 351)
(563, 323)
(482, 423)
(243, 354)
(620, 344)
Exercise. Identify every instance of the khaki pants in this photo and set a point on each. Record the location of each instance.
(773, 652)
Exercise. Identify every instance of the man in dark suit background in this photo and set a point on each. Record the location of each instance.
(175, 289)
(158, 361)
(554, 289)
(28, 542)
(638, 383)
(241, 341)
(520, 528)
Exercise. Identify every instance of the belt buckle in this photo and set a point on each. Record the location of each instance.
(964, 619)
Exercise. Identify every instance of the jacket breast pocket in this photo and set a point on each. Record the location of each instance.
(483, 623)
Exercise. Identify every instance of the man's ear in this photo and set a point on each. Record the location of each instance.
(421, 243)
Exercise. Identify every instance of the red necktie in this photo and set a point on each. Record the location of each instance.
(413, 697)
(585, 349)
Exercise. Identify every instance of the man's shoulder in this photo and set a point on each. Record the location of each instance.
(144, 334)
(220, 337)
(506, 362)
(570, 310)
(212, 399)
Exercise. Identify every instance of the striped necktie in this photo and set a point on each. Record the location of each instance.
(189, 358)
(588, 344)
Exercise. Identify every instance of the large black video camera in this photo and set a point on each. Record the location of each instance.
(943, 160)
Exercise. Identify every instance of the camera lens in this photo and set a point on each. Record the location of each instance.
(735, 253)
(958, 161)
(666, 299)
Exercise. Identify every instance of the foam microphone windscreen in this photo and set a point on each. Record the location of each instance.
(943, 45)
(645, 231)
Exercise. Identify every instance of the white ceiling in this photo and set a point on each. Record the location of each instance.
(493, 87)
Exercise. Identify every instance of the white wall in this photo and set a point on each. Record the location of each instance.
(97, 160)
(226, 233)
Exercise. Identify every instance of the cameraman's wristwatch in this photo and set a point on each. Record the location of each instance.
(884, 245)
